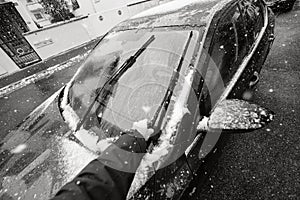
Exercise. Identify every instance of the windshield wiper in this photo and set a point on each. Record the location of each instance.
(159, 115)
(115, 76)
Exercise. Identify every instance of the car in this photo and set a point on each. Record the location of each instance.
(281, 5)
(180, 69)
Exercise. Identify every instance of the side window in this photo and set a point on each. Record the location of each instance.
(227, 50)
(240, 35)
(228, 46)
(253, 16)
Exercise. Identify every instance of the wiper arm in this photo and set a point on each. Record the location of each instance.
(159, 115)
(124, 67)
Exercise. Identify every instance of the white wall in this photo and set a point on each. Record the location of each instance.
(109, 18)
(99, 6)
(104, 5)
(54, 40)
(2, 71)
(135, 9)
(57, 39)
(6, 64)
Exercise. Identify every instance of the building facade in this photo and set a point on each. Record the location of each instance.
(43, 36)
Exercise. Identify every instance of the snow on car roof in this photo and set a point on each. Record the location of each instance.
(175, 13)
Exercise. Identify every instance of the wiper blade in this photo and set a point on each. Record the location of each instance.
(124, 67)
(159, 115)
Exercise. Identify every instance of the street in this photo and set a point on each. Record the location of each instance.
(264, 164)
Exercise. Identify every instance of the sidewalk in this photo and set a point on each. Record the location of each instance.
(43, 65)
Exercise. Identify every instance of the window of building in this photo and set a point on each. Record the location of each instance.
(75, 4)
(38, 16)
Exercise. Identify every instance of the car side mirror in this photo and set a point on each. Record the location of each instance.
(233, 115)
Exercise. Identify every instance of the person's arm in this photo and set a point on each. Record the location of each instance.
(110, 175)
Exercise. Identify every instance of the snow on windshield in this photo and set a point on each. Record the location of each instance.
(155, 159)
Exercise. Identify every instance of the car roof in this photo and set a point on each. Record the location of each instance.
(194, 13)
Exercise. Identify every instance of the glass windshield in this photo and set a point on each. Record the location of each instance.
(137, 93)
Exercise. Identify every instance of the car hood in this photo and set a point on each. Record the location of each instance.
(41, 155)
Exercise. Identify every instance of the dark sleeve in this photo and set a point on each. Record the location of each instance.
(110, 175)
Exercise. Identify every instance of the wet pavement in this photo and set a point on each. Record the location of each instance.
(260, 165)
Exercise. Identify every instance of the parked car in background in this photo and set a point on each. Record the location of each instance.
(181, 67)
(281, 5)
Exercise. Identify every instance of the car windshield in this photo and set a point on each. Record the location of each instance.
(137, 93)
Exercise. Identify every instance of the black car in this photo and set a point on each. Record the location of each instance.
(180, 68)
(281, 5)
